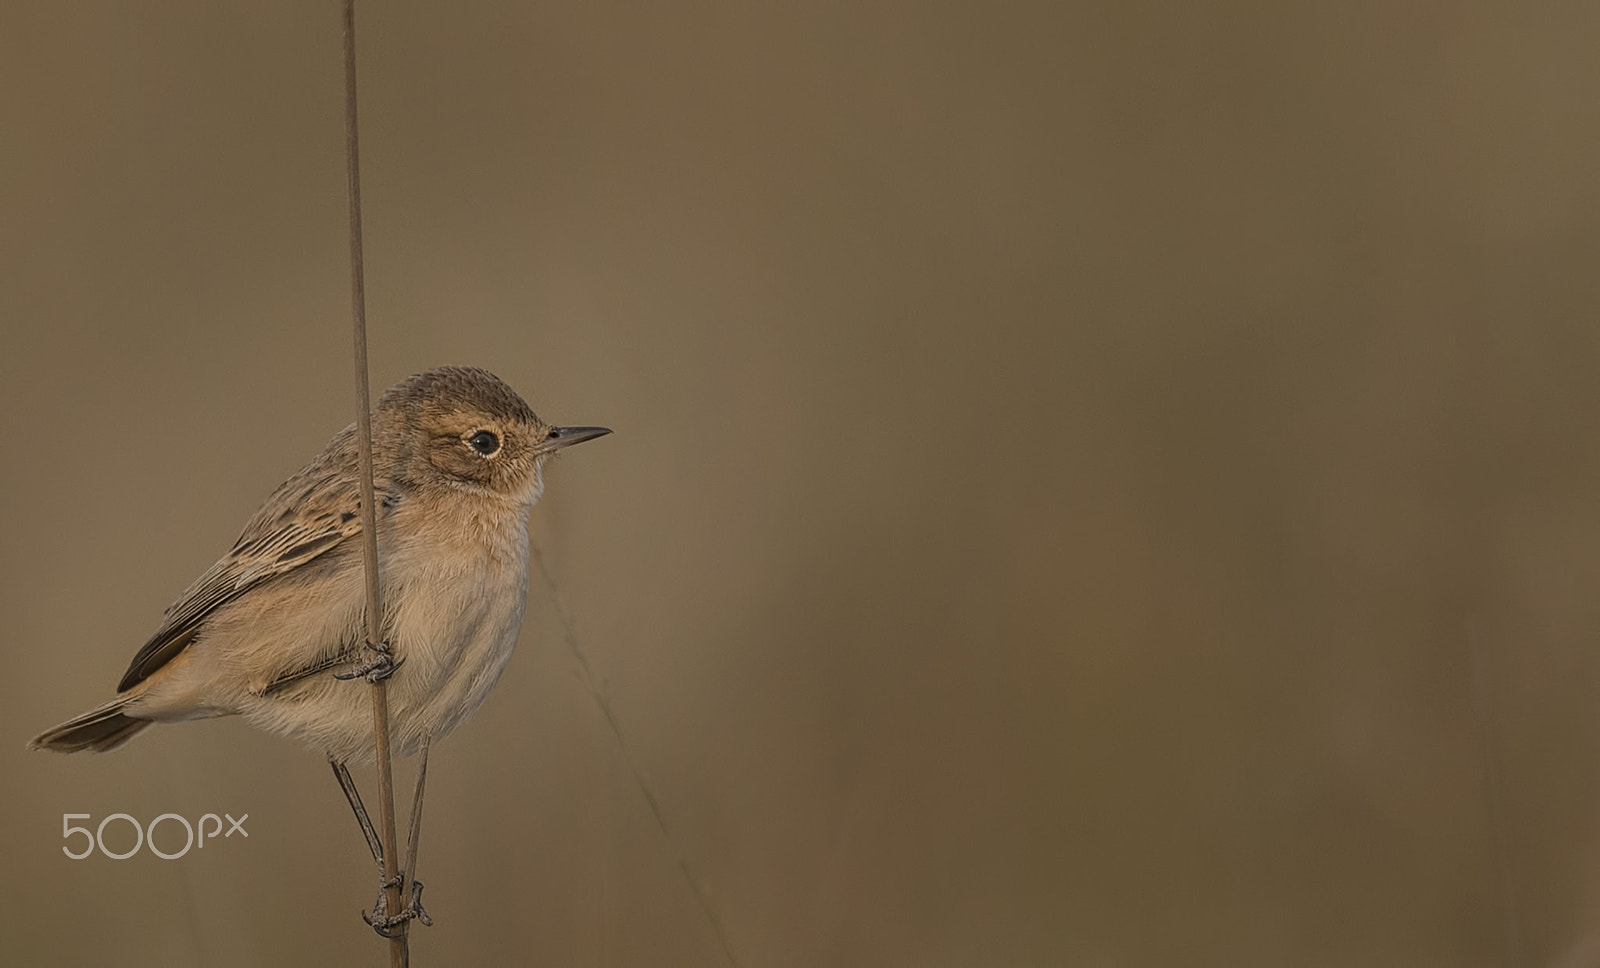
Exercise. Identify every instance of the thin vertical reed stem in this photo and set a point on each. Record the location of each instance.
(398, 954)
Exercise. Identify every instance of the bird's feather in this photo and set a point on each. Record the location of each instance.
(307, 516)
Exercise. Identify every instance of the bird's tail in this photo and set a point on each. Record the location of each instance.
(101, 729)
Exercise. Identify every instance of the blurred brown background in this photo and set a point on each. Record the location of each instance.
(1094, 484)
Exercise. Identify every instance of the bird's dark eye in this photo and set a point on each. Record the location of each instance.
(484, 442)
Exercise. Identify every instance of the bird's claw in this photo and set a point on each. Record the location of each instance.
(385, 923)
(380, 667)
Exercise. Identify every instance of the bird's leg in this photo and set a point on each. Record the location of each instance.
(414, 906)
(376, 669)
(381, 921)
(347, 783)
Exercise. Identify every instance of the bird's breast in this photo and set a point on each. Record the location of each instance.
(455, 605)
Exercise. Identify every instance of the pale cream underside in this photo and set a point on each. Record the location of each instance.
(454, 592)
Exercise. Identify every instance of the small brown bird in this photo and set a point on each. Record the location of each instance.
(273, 630)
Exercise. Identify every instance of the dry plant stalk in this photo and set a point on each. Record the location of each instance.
(398, 953)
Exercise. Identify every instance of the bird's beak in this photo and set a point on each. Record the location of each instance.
(567, 436)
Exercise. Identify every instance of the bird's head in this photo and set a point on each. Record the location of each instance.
(464, 428)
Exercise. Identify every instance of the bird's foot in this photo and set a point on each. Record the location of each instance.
(380, 667)
(386, 924)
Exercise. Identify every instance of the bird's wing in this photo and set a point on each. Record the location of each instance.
(309, 514)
